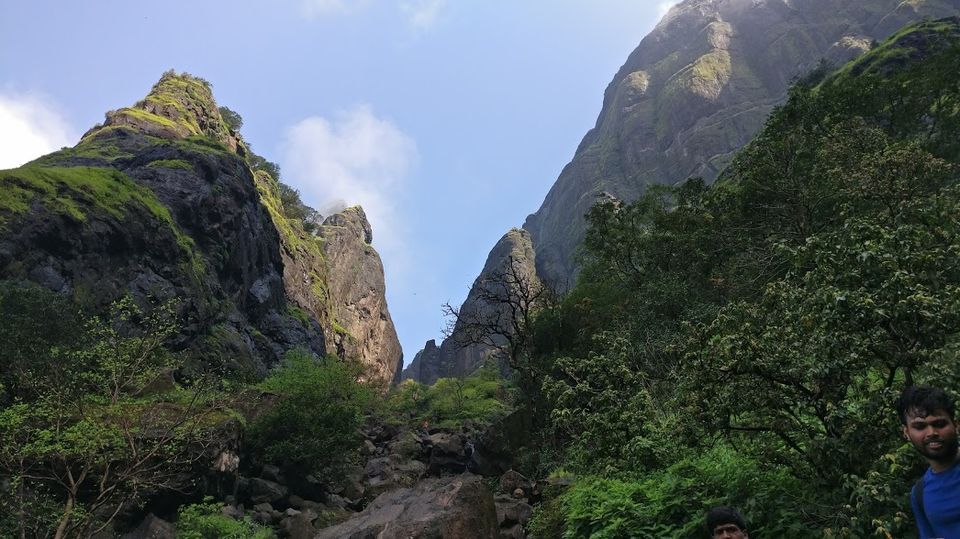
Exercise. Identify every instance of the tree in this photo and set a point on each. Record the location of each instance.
(313, 426)
(500, 317)
(233, 119)
(92, 437)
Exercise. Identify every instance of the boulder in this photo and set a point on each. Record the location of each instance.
(512, 516)
(153, 527)
(272, 473)
(408, 444)
(448, 454)
(262, 490)
(513, 480)
(299, 526)
(232, 511)
(460, 507)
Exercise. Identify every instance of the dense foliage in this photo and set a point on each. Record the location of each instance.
(768, 321)
(480, 398)
(313, 426)
(206, 520)
(88, 420)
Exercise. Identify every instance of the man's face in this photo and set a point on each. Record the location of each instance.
(934, 435)
(729, 531)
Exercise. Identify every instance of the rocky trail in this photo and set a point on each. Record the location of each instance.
(412, 482)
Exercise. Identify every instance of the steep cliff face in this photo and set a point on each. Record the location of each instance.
(361, 327)
(485, 322)
(695, 90)
(160, 202)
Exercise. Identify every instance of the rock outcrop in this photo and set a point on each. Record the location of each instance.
(361, 327)
(480, 333)
(695, 90)
(161, 202)
(460, 506)
(698, 88)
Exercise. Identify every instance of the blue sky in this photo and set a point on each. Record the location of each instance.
(448, 120)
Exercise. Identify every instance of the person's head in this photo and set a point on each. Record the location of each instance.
(726, 523)
(926, 414)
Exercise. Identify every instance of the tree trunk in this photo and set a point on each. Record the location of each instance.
(67, 511)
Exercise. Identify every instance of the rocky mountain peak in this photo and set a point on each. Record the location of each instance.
(178, 106)
(353, 219)
(695, 90)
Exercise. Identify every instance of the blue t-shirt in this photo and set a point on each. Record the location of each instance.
(941, 504)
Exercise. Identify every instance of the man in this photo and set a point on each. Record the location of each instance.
(926, 414)
(726, 523)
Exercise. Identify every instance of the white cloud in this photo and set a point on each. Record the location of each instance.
(664, 7)
(423, 14)
(29, 127)
(356, 158)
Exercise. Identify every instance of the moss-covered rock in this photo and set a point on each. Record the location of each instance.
(159, 203)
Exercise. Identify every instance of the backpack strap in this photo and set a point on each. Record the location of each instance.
(918, 497)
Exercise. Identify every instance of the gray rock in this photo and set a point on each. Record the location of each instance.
(298, 527)
(354, 487)
(459, 507)
(512, 516)
(357, 288)
(232, 511)
(448, 454)
(262, 490)
(337, 501)
(263, 508)
(153, 527)
(272, 473)
(513, 480)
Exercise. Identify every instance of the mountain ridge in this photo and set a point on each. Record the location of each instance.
(695, 90)
(165, 201)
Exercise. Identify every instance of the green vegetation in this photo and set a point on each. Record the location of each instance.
(319, 401)
(84, 415)
(232, 118)
(76, 191)
(672, 502)
(206, 521)
(150, 117)
(479, 398)
(70, 190)
(299, 314)
(171, 163)
(743, 343)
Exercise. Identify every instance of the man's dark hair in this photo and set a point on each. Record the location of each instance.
(923, 401)
(721, 515)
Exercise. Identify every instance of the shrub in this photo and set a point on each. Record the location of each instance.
(206, 521)
(481, 397)
(313, 426)
(673, 502)
(86, 428)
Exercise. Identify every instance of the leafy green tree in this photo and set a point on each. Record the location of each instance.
(232, 118)
(778, 311)
(257, 162)
(91, 437)
(313, 427)
(34, 321)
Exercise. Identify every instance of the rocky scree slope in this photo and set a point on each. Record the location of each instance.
(695, 90)
(160, 202)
